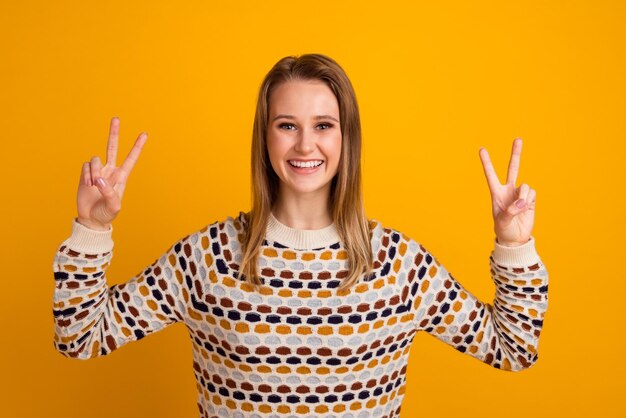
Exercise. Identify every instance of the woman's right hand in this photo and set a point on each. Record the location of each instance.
(101, 187)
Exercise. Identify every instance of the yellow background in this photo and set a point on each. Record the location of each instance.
(434, 84)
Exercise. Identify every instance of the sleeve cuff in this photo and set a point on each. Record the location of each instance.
(87, 240)
(521, 256)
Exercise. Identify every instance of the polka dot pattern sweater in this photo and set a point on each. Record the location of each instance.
(298, 347)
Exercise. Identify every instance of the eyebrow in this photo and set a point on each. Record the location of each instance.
(315, 117)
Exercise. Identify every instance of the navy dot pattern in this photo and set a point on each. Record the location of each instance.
(298, 347)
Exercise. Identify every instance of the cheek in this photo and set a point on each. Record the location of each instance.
(276, 151)
(336, 149)
(272, 147)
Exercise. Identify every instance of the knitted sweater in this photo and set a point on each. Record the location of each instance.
(298, 347)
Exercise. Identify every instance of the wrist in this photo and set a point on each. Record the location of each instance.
(89, 240)
(510, 243)
(519, 256)
(97, 226)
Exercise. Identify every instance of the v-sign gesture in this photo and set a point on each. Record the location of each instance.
(101, 187)
(513, 207)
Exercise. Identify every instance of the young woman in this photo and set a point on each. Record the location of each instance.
(302, 306)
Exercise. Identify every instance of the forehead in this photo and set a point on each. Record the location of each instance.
(303, 97)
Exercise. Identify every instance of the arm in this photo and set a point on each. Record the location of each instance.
(504, 334)
(92, 319)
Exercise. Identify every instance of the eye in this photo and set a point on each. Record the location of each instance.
(287, 126)
(323, 126)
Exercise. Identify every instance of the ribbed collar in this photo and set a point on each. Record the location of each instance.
(301, 239)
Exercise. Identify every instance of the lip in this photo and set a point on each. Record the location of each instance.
(305, 170)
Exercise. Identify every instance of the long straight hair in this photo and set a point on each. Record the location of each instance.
(346, 196)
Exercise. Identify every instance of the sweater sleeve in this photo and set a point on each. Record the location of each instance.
(504, 334)
(92, 319)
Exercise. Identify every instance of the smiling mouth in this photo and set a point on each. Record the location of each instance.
(305, 164)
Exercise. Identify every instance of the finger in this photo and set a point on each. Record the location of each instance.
(490, 174)
(513, 210)
(96, 165)
(532, 197)
(85, 175)
(134, 153)
(114, 130)
(516, 151)
(523, 192)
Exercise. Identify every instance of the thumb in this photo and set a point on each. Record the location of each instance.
(514, 209)
(112, 200)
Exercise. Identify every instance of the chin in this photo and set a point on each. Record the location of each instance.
(309, 189)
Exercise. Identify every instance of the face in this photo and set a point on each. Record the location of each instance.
(304, 136)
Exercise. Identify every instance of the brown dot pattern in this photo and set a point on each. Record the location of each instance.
(298, 347)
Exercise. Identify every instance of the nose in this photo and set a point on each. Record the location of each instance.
(306, 141)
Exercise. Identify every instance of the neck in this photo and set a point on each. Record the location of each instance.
(303, 211)
(301, 239)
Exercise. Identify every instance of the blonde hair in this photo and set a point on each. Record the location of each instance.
(346, 197)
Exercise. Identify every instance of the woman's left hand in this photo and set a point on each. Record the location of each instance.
(513, 207)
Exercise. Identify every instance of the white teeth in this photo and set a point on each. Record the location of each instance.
(307, 164)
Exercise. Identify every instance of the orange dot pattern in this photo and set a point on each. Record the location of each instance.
(297, 347)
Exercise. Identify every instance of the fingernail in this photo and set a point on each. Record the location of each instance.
(520, 203)
(100, 181)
